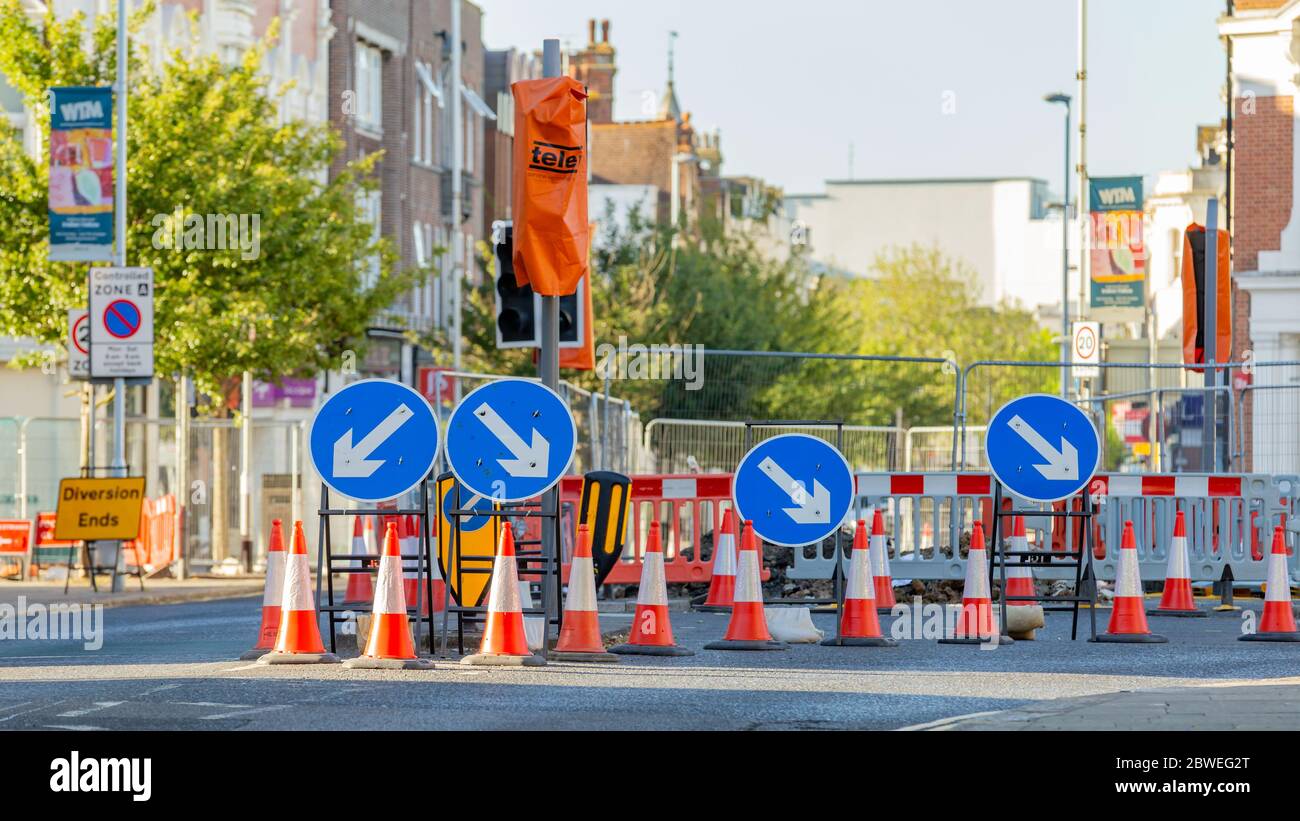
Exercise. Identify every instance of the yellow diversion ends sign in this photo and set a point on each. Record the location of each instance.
(91, 509)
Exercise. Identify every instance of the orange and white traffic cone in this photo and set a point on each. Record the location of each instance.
(580, 631)
(1278, 620)
(976, 624)
(504, 642)
(360, 590)
(747, 629)
(652, 632)
(859, 624)
(436, 582)
(271, 595)
(722, 584)
(1020, 575)
(298, 639)
(884, 583)
(408, 537)
(1128, 616)
(1176, 600)
(390, 646)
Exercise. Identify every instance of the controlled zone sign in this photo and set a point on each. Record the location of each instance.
(99, 508)
(374, 440)
(1042, 447)
(510, 440)
(796, 488)
(121, 322)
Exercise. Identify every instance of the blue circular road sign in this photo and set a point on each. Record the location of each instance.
(469, 500)
(1042, 447)
(796, 488)
(510, 440)
(374, 440)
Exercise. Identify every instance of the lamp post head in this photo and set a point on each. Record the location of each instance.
(1057, 98)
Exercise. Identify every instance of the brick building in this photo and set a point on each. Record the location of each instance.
(646, 152)
(1264, 36)
(503, 68)
(391, 87)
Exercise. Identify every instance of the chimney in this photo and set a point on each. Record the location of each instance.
(591, 32)
(604, 31)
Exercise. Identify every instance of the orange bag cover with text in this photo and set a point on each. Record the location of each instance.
(549, 205)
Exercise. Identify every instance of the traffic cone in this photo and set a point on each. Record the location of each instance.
(1020, 575)
(504, 642)
(884, 583)
(652, 632)
(1278, 621)
(360, 590)
(271, 595)
(859, 624)
(1177, 597)
(976, 624)
(436, 582)
(722, 584)
(747, 629)
(390, 646)
(1128, 616)
(580, 631)
(298, 639)
(408, 537)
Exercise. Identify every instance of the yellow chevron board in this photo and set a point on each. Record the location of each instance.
(478, 539)
(603, 509)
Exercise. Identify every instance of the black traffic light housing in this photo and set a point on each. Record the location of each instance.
(519, 310)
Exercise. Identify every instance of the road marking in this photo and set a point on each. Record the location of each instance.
(245, 712)
(34, 709)
(210, 704)
(73, 727)
(99, 705)
(244, 667)
(946, 724)
(159, 689)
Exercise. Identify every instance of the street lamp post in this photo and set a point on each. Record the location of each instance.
(1065, 250)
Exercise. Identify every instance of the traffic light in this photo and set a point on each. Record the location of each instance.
(1194, 281)
(518, 309)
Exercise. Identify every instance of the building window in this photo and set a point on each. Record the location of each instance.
(370, 71)
(368, 204)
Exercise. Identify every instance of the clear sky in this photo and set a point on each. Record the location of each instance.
(792, 84)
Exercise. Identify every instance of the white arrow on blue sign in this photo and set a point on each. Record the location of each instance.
(796, 488)
(374, 440)
(510, 440)
(1042, 447)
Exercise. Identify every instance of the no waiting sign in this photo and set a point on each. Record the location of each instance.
(121, 322)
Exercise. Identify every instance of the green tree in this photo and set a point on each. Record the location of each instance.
(204, 138)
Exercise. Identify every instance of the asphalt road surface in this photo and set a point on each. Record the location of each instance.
(172, 667)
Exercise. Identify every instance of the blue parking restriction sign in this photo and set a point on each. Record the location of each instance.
(510, 440)
(374, 440)
(796, 488)
(1042, 447)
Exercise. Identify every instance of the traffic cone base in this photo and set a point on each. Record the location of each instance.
(490, 660)
(1128, 638)
(371, 663)
(850, 641)
(650, 650)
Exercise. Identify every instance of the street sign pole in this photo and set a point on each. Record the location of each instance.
(548, 359)
(119, 213)
(1209, 445)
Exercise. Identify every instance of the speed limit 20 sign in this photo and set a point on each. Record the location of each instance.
(78, 343)
(1086, 353)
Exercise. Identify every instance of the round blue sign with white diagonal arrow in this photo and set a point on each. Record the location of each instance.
(1042, 447)
(796, 488)
(510, 440)
(374, 440)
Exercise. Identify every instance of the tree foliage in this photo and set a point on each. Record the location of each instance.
(204, 138)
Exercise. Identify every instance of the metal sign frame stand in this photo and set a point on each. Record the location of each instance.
(831, 605)
(327, 564)
(1080, 559)
(547, 561)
